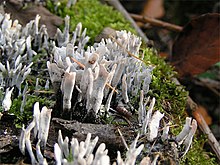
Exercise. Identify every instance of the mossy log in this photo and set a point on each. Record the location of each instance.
(107, 134)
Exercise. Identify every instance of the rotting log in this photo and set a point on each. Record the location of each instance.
(107, 133)
(7, 143)
(8, 134)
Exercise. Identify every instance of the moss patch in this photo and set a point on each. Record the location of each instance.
(197, 155)
(171, 99)
(26, 116)
(93, 15)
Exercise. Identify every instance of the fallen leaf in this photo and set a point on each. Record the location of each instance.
(198, 46)
(154, 9)
(29, 13)
(163, 54)
(202, 111)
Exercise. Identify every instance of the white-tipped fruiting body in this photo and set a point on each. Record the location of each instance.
(154, 125)
(44, 125)
(67, 86)
(6, 103)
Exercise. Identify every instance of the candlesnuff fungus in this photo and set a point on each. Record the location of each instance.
(82, 153)
(6, 103)
(44, 124)
(40, 124)
(16, 44)
(98, 89)
(104, 62)
(67, 87)
(154, 125)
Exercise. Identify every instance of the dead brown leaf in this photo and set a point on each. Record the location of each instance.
(201, 110)
(154, 9)
(29, 13)
(198, 46)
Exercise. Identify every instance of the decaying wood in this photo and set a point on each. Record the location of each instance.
(107, 134)
(117, 5)
(156, 22)
(7, 142)
(8, 134)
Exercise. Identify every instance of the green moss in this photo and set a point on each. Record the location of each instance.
(23, 118)
(170, 97)
(93, 15)
(197, 155)
(70, 157)
(26, 116)
(167, 92)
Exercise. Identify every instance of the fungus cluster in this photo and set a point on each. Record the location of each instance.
(94, 79)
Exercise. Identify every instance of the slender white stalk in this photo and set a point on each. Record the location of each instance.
(154, 125)
(188, 141)
(124, 89)
(67, 86)
(22, 141)
(44, 125)
(185, 131)
(36, 118)
(141, 110)
(57, 154)
(165, 134)
(6, 103)
(148, 117)
(65, 147)
(40, 156)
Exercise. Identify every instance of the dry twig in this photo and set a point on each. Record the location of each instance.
(129, 53)
(204, 127)
(117, 5)
(212, 85)
(156, 22)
